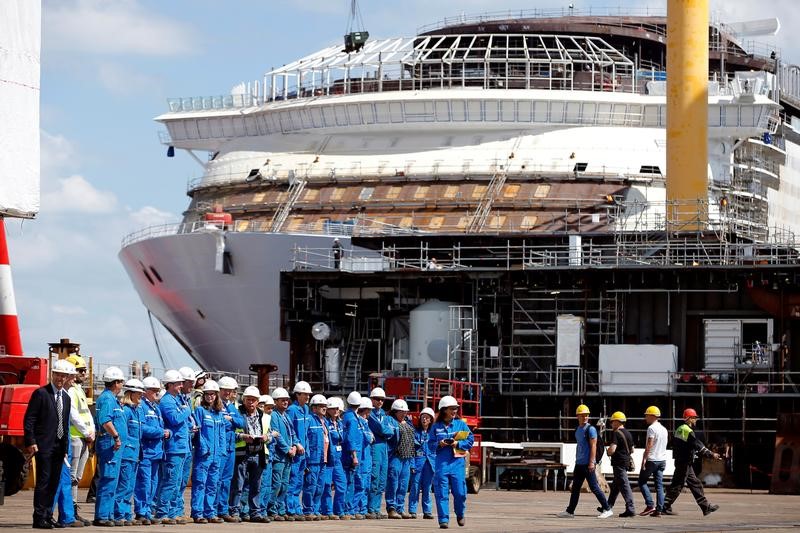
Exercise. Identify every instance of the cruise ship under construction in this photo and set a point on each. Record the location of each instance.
(505, 215)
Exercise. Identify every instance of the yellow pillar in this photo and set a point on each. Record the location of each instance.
(687, 112)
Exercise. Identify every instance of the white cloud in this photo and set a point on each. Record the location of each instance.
(151, 216)
(113, 27)
(124, 81)
(71, 310)
(76, 194)
(57, 153)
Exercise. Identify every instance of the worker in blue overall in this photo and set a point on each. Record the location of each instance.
(332, 508)
(178, 421)
(300, 417)
(131, 452)
(112, 432)
(422, 475)
(362, 488)
(227, 393)
(208, 455)
(153, 435)
(285, 450)
(352, 447)
(401, 458)
(186, 397)
(451, 439)
(316, 456)
(380, 453)
(67, 516)
(267, 405)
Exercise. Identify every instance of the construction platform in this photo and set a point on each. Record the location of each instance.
(518, 511)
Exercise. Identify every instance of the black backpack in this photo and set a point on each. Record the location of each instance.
(600, 447)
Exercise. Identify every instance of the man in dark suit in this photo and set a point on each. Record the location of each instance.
(47, 436)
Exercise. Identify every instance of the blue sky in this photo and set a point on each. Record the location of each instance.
(107, 68)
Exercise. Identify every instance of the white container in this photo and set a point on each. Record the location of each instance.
(333, 359)
(428, 331)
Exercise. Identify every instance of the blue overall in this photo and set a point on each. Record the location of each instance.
(380, 459)
(300, 417)
(422, 476)
(366, 466)
(131, 452)
(211, 441)
(281, 461)
(266, 476)
(315, 464)
(108, 459)
(399, 470)
(352, 444)
(152, 454)
(228, 458)
(186, 469)
(450, 471)
(176, 415)
(63, 499)
(334, 473)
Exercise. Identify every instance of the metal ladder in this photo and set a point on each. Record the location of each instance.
(493, 190)
(296, 188)
(356, 347)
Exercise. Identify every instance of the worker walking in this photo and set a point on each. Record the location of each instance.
(685, 446)
(332, 508)
(424, 462)
(316, 456)
(112, 433)
(450, 439)
(654, 461)
(585, 464)
(209, 455)
(380, 453)
(81, 430)
(285, 449)
(365, 461)
(178, 420)
(131, 449)
(153, 435)
(401, 458)
(300, 417)
(352, 446)
(620, 451)
(227, 393)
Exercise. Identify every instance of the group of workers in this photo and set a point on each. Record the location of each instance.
(686, 446)
(256, 458)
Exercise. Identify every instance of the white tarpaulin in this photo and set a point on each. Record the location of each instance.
(20, 44)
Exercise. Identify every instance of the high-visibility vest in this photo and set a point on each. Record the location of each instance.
(78, 397)
(265, 431)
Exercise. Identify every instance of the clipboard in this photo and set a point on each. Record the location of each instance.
(460, 435)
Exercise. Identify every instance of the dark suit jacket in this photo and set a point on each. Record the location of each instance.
(41, 420)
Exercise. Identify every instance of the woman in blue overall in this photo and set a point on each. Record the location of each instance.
(365, 465)
(422, 474)
(332, 508)
(131, 452)
(112, 432)
(208, 454)
(401, 459)
(451, 439)
(228, 388)
(153, 435)
(316, 456)
(352, 447)
(285, 448)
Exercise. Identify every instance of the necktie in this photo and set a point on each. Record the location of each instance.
(60, 411)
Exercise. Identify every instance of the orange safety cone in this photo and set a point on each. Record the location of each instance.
(10, 342)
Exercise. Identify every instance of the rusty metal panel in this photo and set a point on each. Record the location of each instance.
(786, 465)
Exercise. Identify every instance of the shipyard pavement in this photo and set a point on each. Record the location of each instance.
(512, 511)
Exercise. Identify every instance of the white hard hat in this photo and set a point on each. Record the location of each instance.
(428, 411)
(399, 405)
(172, 376)
(302, 386)
(151, 383)
(354, 398)
(266, 399)
(133, 385)
(228, 383)
(210, 386)
(62, 366)
(200, 374)
(366, 403)
(447, 401)
(161, 394)
(251, 391)
(187, 374)
(332, 403)
(113, 373)
(318, 399)
(377, 392)
(339, 403)
(280, 394)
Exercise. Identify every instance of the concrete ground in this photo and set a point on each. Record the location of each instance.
(516, 511)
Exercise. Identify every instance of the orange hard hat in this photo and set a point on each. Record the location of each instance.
(689, 413)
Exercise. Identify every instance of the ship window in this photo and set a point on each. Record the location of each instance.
(463, 222)
(156, 274)
(242, 225)
(337, 194)
(529, 221)
(200, 313)
(541, 191)
(406, 222)
(311, 195)
(366, 193)
(147, 275)
(436, 222)
(580, 167)
(479, 191)
(295, 223)
(649, 169)
(394, 192)
(422, 192)
(451, 191)
(497, 221)
(511, 191)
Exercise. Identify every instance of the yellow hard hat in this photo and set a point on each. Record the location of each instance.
(77, 361)
(582, 410)
(653, 410)
(619, 416)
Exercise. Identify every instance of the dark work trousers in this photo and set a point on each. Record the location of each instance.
(48, 476)
(621, 486)
(580, 474)
(684, 475)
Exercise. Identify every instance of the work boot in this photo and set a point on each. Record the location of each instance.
(156, 521)
(76, 523)
(166, 521)
(103, 523)
(230, 519)
(668, 511)
(647, 511)
(278, 518)
(427, 516)
(371, 516)
(461, 521)
(394, 514)
(79, 518)
(200, 520)
(710, 509)
(215, 520)
(406, 516)
(345, 517)
(119, 523)
(443, 525)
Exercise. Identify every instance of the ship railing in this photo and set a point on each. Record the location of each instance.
(142, 369)
(212, 103)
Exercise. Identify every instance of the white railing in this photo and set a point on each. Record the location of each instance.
(208, 103)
